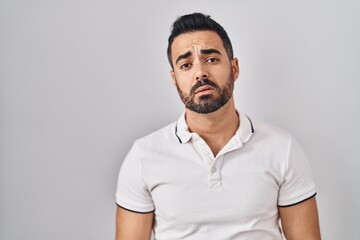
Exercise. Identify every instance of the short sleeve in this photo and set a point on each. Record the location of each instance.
(132, 193)
(298, 184)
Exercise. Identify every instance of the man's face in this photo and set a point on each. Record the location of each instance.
(203, 74)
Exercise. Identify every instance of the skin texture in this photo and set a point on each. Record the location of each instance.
(204, 64)
(133, 226)
(191, 65)
(301, 221)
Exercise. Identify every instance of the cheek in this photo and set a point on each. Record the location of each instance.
(222, 75)
(221, 72)
(184, 82)
(184, 88)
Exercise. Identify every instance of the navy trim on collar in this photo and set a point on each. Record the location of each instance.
(177, 135)
(252, 127)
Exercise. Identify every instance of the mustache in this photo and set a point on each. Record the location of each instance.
(201, 83)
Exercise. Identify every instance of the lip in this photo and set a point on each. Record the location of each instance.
(203, 89)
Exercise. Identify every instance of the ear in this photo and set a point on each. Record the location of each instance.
(235, 67)
(172, 73)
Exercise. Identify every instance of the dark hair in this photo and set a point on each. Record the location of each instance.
(198, 22)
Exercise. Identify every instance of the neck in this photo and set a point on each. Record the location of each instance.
(216, 128)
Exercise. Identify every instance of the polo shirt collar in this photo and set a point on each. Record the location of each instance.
(243, 133)
(182, 130)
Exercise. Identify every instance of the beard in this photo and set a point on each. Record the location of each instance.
(210, 102)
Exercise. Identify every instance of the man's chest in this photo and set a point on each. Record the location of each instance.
(237, 187)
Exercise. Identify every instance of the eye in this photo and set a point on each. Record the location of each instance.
(185, 66)
(212, 60)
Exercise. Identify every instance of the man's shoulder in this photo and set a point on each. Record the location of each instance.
(164, 135)
(266, 130)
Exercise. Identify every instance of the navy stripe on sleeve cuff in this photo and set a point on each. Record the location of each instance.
(133, 210)
(299, 202)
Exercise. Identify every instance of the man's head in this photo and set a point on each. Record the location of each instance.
(197, 22)
(203, 66)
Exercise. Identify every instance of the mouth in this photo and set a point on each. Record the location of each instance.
(204, 89)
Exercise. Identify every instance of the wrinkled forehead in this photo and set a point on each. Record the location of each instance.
(195, 42)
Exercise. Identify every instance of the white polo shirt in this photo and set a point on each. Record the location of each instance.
(234, 195)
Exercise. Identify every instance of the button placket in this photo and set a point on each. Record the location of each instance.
(214, 164)
(203, 149)
(215, 173)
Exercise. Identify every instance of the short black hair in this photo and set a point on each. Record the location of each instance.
(198, 22)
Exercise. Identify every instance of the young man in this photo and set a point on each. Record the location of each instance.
(213, 174)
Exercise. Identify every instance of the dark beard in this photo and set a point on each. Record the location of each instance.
(208, 103)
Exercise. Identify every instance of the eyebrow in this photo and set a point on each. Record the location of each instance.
(202, 51)
(182, 56)
(209, 51)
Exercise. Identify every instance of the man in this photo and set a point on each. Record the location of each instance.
(213, 174)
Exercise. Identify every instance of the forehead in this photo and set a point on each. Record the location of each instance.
(194, 41)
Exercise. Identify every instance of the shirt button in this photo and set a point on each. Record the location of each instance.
(213, 169)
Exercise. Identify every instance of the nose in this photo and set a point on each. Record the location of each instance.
(201, 72)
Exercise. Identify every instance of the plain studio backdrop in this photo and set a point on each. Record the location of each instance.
(81, 80)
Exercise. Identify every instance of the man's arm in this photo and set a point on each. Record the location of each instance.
(133, 226)
(301, 221)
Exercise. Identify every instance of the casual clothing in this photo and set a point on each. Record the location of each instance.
(234, 195)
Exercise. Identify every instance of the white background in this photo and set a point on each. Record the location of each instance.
(80, 80)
